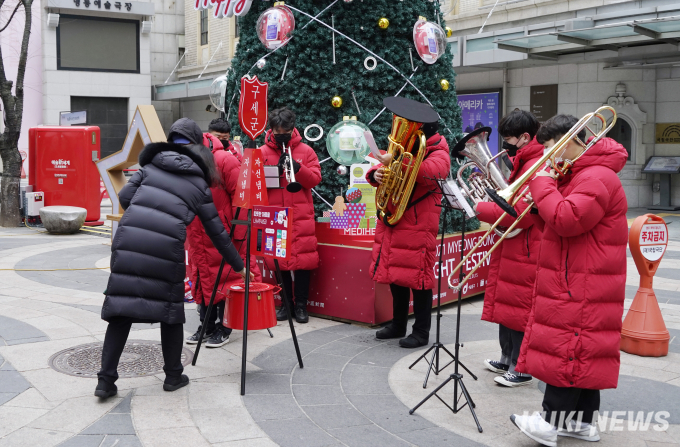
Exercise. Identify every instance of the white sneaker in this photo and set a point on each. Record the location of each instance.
(582, 431)
(512, 380)
(536, 428)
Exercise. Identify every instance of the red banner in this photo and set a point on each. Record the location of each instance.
(251, 189)
(252, 109)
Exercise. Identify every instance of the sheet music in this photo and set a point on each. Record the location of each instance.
(454, 196)
(371, 143)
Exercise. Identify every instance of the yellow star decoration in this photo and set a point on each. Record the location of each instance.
(145, 128)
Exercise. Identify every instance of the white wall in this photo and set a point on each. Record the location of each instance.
(195, 109)
(585, 87)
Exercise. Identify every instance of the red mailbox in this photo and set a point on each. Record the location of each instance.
(62, 166)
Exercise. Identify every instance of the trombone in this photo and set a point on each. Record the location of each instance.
(289, 171)
(509, 197)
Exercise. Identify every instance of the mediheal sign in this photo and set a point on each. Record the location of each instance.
(224, 8)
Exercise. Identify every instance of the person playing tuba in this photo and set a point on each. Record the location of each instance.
(404, 254)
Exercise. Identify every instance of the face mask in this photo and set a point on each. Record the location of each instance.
(225, 143)
(511, 148)
(282, 139)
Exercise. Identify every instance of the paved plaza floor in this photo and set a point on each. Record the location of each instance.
(354, 390)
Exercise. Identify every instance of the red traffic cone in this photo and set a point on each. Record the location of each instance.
(644, 332)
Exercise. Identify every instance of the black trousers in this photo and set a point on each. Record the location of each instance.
(216, 317)
(559, 402)
(422, 309)
(301, 293)
(172, 341)
(511, 342)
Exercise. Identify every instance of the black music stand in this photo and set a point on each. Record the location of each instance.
(452, 201)
(449, 203)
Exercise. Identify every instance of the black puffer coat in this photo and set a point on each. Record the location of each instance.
(147, 260)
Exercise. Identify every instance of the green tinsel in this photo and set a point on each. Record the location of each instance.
(311, 79)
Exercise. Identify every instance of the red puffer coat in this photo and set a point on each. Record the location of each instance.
(512, 271)
(574, 330)
(204, 258)
(303, 254)
(405, 254)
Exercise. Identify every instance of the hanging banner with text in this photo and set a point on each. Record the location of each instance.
(481, 110)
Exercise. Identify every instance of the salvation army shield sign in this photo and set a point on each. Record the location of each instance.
(252, 109)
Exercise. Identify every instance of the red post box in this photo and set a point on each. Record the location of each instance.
(62, 166)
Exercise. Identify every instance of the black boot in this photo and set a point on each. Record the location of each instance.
(105, 389)
(301, 315)
(390, 331)
(282, 313)
(175, 383)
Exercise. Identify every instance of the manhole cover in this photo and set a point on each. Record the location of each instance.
(140, 358)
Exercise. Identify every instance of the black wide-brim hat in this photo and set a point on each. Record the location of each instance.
(411, 110)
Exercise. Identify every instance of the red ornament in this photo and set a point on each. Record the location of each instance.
(252, 109)
(275, 26)
(429, 39)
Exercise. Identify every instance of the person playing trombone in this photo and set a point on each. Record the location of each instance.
(573, 334)
(512, 271)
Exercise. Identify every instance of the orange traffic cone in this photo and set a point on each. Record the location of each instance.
(644, 332)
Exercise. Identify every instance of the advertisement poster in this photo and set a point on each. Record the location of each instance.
(481, 110)
(271, 231)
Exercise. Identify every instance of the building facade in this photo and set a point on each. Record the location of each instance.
(592, 52)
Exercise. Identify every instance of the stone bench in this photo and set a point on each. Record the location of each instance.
(63, 219)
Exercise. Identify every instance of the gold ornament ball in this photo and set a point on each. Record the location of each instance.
(449, 31)
(336, 102)
(383, 23)
(444, 84)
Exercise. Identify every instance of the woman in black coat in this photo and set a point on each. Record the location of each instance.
(148, 260)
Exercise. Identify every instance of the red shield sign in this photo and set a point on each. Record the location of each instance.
(252, 110)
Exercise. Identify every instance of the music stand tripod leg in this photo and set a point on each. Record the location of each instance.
(289, 310)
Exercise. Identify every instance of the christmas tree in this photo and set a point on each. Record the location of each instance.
(302, 74)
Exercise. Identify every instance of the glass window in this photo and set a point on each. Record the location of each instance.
(204, 27)
(236, 27)
(97, 44)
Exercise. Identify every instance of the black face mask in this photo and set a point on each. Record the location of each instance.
(511, 148)
(283, 138)
(225, 143)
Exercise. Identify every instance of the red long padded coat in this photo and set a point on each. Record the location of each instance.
(405, 254)
(512, 270)
(574, 330)
(303, 246)
(204, 258)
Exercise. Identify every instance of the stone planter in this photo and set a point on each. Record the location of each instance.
(63, 219)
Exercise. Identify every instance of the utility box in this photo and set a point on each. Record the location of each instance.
(34, 201)
(62, 166)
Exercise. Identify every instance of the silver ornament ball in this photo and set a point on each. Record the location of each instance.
(261, 63)
(342, 170)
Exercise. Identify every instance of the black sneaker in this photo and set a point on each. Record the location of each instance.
(282, 314)
(301, 315)
(105, 389)
(497, 367)
(512, 380)
(193, 340)
(218, 339)
(175, 383)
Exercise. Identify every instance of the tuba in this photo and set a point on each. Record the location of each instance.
(508, 197)
(407, 145)
(488, 175)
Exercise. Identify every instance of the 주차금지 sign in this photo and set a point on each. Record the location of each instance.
(653, 240)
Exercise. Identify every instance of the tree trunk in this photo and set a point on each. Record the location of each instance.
(10, 214)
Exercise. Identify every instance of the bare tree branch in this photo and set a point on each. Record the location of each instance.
(11, 17)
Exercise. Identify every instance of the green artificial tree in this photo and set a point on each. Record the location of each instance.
(311, 79)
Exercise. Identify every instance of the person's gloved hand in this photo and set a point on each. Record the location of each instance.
(296, 166)
(282, 163)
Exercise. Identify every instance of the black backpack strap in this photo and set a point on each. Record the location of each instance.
(419, 199)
